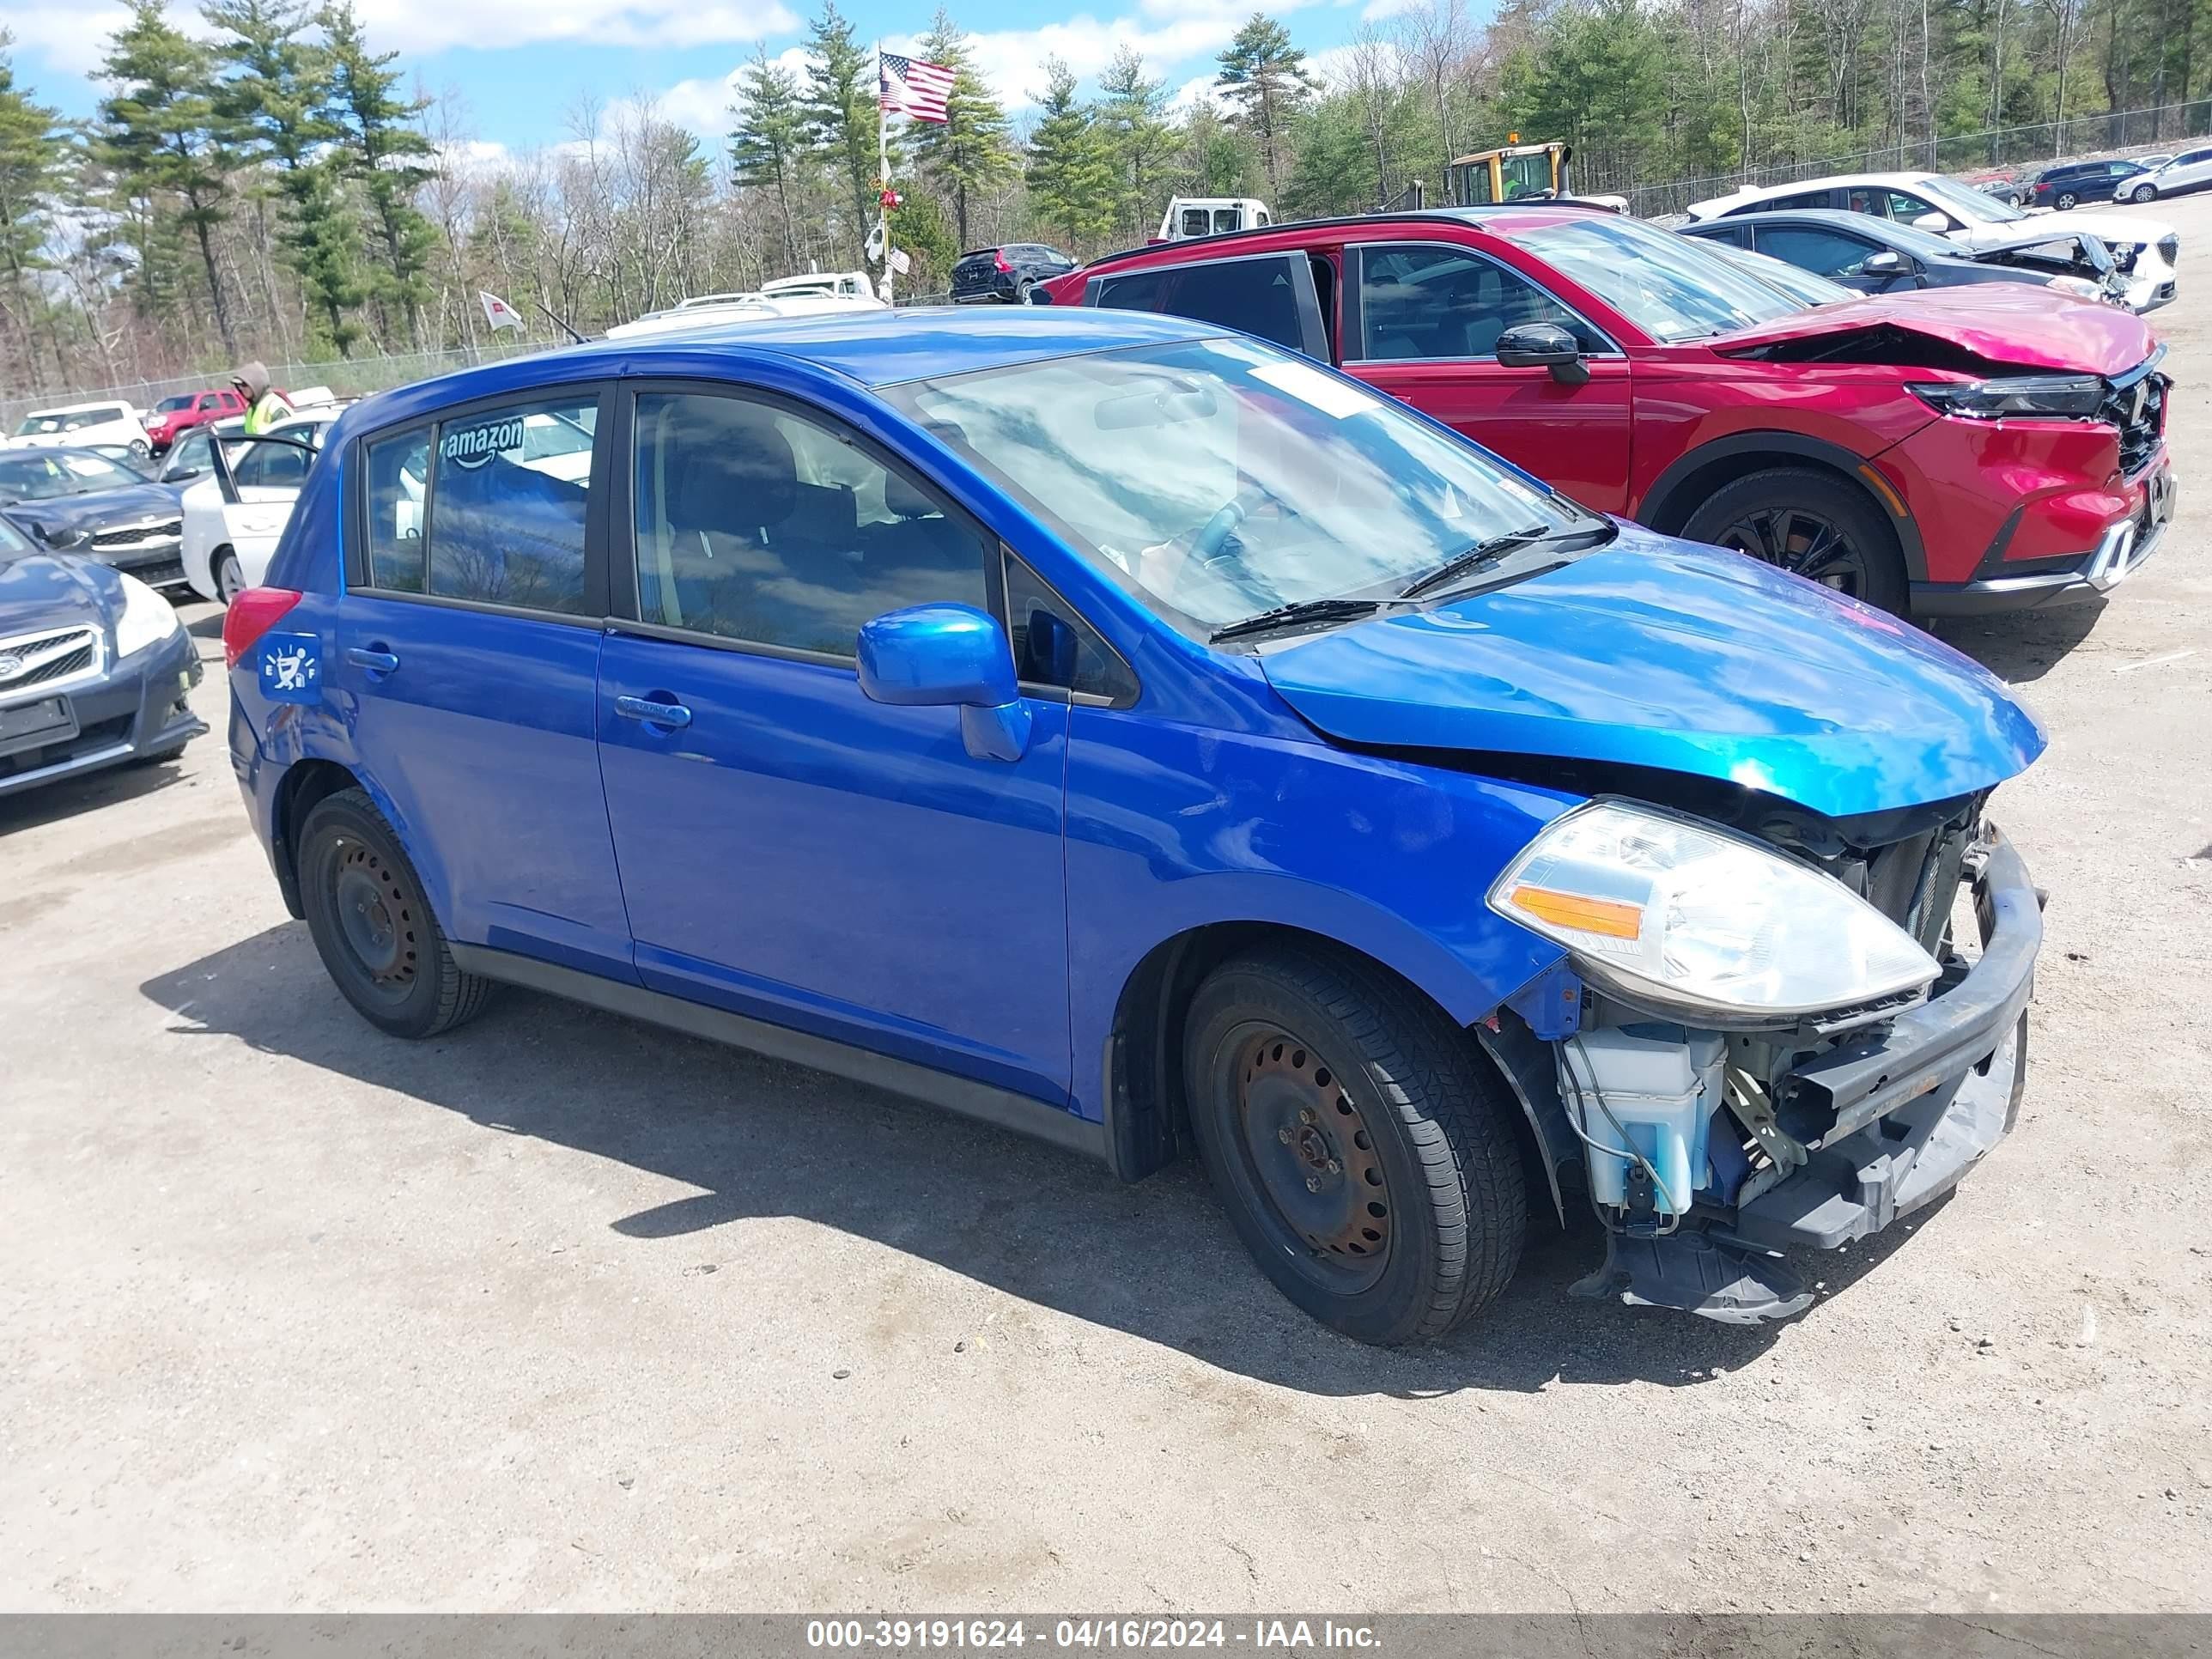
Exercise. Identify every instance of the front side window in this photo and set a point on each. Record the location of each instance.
(279, 465)
(171, 405)
(760, 524)
(189, 455)
(1828, 252)
(1669, 286)
(1215, 479)
(1423, 302)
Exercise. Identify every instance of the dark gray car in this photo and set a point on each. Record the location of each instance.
(1878, 255)
(77, 500)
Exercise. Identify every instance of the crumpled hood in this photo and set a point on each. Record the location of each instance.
(2018, 323)
(2112, 229)
(1661, 654)
(43, 591)
(101, 509)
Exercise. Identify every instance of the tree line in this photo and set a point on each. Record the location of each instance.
(271, 186)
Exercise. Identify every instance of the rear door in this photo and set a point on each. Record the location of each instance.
(468, 656)
(1421, 323)
(1270, 295)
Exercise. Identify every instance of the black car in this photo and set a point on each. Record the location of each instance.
(1877, 256)
(1006, 274)
(2074, 182)
(95, 670)
(76, 501)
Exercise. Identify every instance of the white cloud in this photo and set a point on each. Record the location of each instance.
(72, 38)
(1376, 11)
(1199, 89)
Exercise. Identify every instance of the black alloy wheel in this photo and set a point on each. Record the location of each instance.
(1811, 524)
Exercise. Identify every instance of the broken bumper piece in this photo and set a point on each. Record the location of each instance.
(1910, 1109)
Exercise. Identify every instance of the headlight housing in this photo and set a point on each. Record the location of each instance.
(2075, 395)
(147, 618)
(62, 534)
(1674, 914)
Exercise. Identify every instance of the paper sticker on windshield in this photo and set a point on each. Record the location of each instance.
(1338, 399)
(470, 446)
(291, 667)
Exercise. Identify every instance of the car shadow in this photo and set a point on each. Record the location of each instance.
(86, 792)
(759, 1138)
(2024, 646)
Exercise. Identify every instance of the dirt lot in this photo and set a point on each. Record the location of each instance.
(564, 1311)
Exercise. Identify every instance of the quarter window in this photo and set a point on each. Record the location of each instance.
(760, 524)
(1420, 302)
(1053, 645)
(507, 500)
(398, 470)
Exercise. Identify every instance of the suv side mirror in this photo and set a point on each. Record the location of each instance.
(1887, 263)
(948, 656)
(1543, 345)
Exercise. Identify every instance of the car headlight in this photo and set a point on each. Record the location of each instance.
(1672, 913)
(147, 619)
(2048, 395)
(62, 534)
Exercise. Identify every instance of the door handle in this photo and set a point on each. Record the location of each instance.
(377, 662)
(652, 713)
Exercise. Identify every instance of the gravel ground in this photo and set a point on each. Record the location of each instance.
(566, 1312)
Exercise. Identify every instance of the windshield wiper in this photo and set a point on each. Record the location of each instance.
(1482, 554)
(1290, 616)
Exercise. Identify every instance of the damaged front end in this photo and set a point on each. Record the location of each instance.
(1680, 1072)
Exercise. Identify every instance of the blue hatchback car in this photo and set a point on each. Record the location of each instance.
(1117, 729)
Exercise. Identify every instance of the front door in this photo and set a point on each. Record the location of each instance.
(791, 850)
(467, 662)
(1422, 324)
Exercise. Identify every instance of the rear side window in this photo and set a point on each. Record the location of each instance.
(507, 490)
(398, 471)
(1733, 235)
(1262, 297)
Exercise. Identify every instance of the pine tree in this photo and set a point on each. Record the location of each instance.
(31, 153)
(1140, 140)
(163, 132)
(839, 104)
(768, 146)
(389, 154)
(279, 92)
(1265, 77)
(1071, 171)
(968, 151)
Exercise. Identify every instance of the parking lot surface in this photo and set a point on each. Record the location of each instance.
(564, 1312)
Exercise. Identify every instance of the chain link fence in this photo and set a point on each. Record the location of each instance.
(1995, 150)
(351, 377)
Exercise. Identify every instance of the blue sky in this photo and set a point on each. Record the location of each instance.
(521, 66)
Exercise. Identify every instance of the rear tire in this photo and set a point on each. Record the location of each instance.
(2066, 201)
(229, 579)
(1812, 524)
(379, 942)
(1361, 1149)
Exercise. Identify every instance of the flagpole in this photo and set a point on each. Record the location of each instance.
(882, 169)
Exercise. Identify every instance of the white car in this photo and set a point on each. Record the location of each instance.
(839, 284)
(83, 426)
(2145, 251)
(712, 311)
(240, 498)
(2190, 170)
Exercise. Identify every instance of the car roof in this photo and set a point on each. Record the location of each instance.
(1494, 217)
(1856, 224)
(1833, 181)
(868, 346)
(76, 409)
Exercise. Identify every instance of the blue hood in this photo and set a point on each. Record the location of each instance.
(41, 591)
(1662, 654)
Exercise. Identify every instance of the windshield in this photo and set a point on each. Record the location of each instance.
(1674, 288)
(171, 405)
(1217, 479)
(43, 475)
(14, 545)
(1975, 206)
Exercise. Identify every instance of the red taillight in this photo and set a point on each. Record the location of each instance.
(253, 614)
(999, 258)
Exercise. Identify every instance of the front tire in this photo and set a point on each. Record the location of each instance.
(379, 942)
(1359, 1145)
(2143, 194)
(229, 579)
(1811, 524)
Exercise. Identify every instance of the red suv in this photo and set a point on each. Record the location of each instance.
(1936, 451)
(173, 417)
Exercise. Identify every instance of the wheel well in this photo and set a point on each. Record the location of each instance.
(303, 786)
(1148, 1116)
(1684, 495)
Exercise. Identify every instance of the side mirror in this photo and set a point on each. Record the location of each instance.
(948, 656)
(1887, 263)
(1543, 345)
(1935, 224)
(1042, 296)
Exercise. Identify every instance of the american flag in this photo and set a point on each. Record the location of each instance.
(908, 86)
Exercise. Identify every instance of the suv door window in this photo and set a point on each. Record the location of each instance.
(506, 517)
(1269, 294)
(1829, 253)
(761, 524)
(1426, 303)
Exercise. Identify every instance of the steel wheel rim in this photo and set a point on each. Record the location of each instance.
(1311, 1157)
(1804, 542)
(376, 919)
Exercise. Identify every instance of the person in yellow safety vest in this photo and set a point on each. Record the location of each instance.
(264, 404)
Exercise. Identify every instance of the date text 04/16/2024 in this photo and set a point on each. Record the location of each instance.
(895, 1634)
